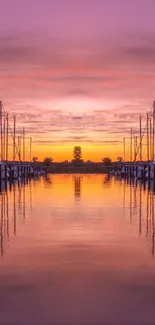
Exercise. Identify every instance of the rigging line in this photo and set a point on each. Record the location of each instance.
(137, 152)
(16, 147)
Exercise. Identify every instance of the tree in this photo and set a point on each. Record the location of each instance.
(77, 153)
(35, 159)
(119, 159)
(48, 161)
(107, 161)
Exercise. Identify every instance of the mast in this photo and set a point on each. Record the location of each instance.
(4, 131)
(135, 147)
(14, 138)
(153, 132)
(19, 147)
(148, 146)
(30, 149)
(7, 135)
(23, 144)
(131, 135)
(140, 135)
(1, 129)
(150, 136)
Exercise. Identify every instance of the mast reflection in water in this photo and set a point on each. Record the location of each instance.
(81, 255)
(13, 204)
(141, 203)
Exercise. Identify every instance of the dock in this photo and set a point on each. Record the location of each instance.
(138, 151)
(16, 162)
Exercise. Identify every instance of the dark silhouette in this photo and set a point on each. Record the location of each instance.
(107, 161)
(48, 161)
(77, 186)
(77, 153)
(119, 159)
(35, 159)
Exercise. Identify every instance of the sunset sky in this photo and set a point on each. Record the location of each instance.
(77, 72)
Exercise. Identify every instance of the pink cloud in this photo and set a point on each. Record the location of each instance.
(38, 84)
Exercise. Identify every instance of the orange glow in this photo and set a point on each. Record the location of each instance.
(65, 152)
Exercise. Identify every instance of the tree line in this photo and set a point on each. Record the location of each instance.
(77, 159)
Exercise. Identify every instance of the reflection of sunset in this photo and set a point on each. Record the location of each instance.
(65, 238)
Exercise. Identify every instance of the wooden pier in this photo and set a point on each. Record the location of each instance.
(138, 151)
(12, 171)
(142, 171)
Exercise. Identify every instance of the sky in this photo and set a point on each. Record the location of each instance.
(77, 72)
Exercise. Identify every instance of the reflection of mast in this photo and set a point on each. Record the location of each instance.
(30, 196)
(153, 226)
(7, 215)
(147, 216)
(135, 199)
(14, 208)
(1, 227)
(150, 221)
(140, 210)
(124, 195)
(130, 202)
(24, 201)
(19, 199)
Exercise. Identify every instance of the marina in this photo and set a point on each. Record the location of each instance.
(77, 162)
(139, 163)
(14, 146)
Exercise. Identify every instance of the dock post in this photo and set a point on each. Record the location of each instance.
(29, 171)
(132, 171)
(24, 171)
(10, 173)
(6, 175)
(18, 170)
(144, 178)
(13, 167)
(154, 177)
(142, 173)
(149, 168)
(0, 177)
(149, 182)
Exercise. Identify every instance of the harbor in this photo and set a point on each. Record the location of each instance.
(138, 158)
(16, 151)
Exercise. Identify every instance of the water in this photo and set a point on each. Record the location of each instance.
(77, 249)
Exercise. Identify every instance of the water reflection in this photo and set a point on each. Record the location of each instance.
(13, 204)
(77, 186)
(78, 251)
(141, 206)
(107, 179)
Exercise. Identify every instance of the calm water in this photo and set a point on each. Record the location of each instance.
(77, 250)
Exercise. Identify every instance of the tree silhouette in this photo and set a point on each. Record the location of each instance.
(48, 161)
(120, 159)
(35, 159)
(107, 161)
(77, 153)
